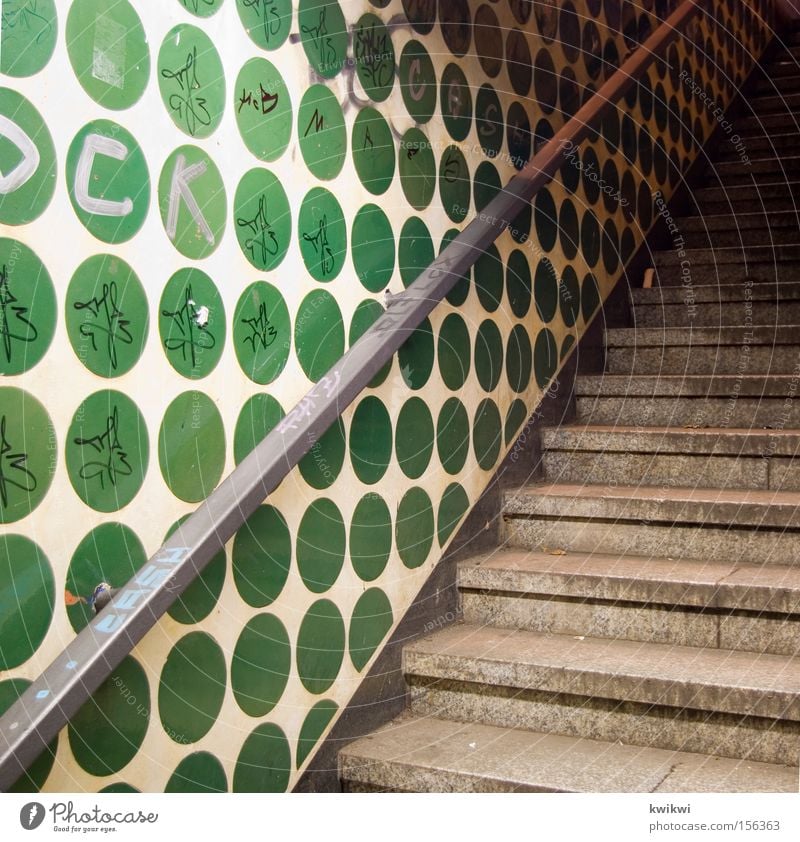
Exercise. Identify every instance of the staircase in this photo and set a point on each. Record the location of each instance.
(638, 629)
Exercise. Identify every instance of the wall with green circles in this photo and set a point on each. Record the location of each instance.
(203, 203)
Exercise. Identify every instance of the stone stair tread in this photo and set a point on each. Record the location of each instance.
(718, 336)
(714, 293)
(710, 584)
(658, 504)
(686, 385)
(740, 221)
(729, 254)
(719, 680)
(428, 754)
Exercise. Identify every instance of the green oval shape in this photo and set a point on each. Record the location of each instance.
(416, 356)
(370, 537)
(414, 437)
(545, 292)
(487, 433)
(323, 32)
(202, 8)
(417, 81)
(454, 351)
(25, 135)
(320, 646)
(489, 279)
(107, 315)
(370, 440)
(515, 417)
(320, 545)
(454, 183)
(417, 169)
(263, 221)
(192, 687)
(108, 730)
(518, 359)
(191, 446)
(373, 150)
(34, 777)
(321, 132)
(364, 317)
(108, 181)
(111, 553)
(371, 621)
(191, 80)
(374, 57)
(260, 665)
(414, 527)
(27, 308)
(452, 435)
(453, 506)
(489, 122)
(456, 102)
(191, 323)
(265, 761)
(259, 416)
(415, 250)
(460, 290)
(107, 450)
(107, 48)
(28, 599)
(262, 333)
(192, 201)
(199, 772)
(318, 333)
(545, 357)
(323, 463)
(488, 355)
(322, 234)
(263, 109)
(268, 24)
(314, 725)
(373, 248)
(262, 556)
(518, 282)
(27, 37)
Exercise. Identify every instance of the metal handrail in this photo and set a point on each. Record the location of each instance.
(52, 699)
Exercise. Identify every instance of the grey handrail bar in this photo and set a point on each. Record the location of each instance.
(47, 705)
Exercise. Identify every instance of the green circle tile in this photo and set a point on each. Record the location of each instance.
(321, 540)
(454, 183)
(414, 527)
(321, 132)
(320, 646)
(263, 109)
(373, 151)
(323, 32)
(370, 440)
(455, 21)
(261, 557)
(486, 184)
(107, 315)
(364, 316)
(417, 81)
(488, 355)
(202, 8)
(313, 727)
(33, 779)
(454, 351)
(453, 507)
(415, 250)
(452, 435)
(322, 233)
(488, 40)
(416, 356)
(200, 598)
(546, 219)
(489, 278)
(192, 687)
(26, 580)
(268, 24)
(374, 57)
(200, 772)
(27, 308)
(421, 14)
(120, 787)
(192, 201)
(518, 359)
(545, 290)
(191, 446)
(489, 120)
(373, 248)
(545, 357)
(590, 297)
(112, 553)
(566, 346)
(265, 761)
(27, 37)
(323, 463)
(518, 283)
(414, 437)
(262, 218)
(519, 62)
(515, 418)
(520, 227)
(108, 181)
(569, 296)
(568, 229)
(370, 537)
(191, 80)
(545, 81)
(417, 169)
(191, 323)
(518, 135)
(27, 157)
(107, 48)
(259, 417)
(262, 332)
(262, 660)
(318, 333)
(371, 621)
(590, 236)
(456, 102)
(108, 731)
(460, 290)
(107, 450)
(487, 433)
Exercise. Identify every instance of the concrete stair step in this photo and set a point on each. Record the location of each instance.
(689, 274)
(690, 603)
(769, 198)
(782, 83)
(745, 527)
(750, 124)
(667, 456)
(781, 66)
(759, 229)
(690, 400)
(738, 255)
(763, 172)
(783, 103)
(718, 350)
(730, 293)
(762, 146)
(424, 754)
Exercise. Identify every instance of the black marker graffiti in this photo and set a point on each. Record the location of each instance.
(13, 472)
(192, 325)
(112, 458)
(110, 322)
(15, 326)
